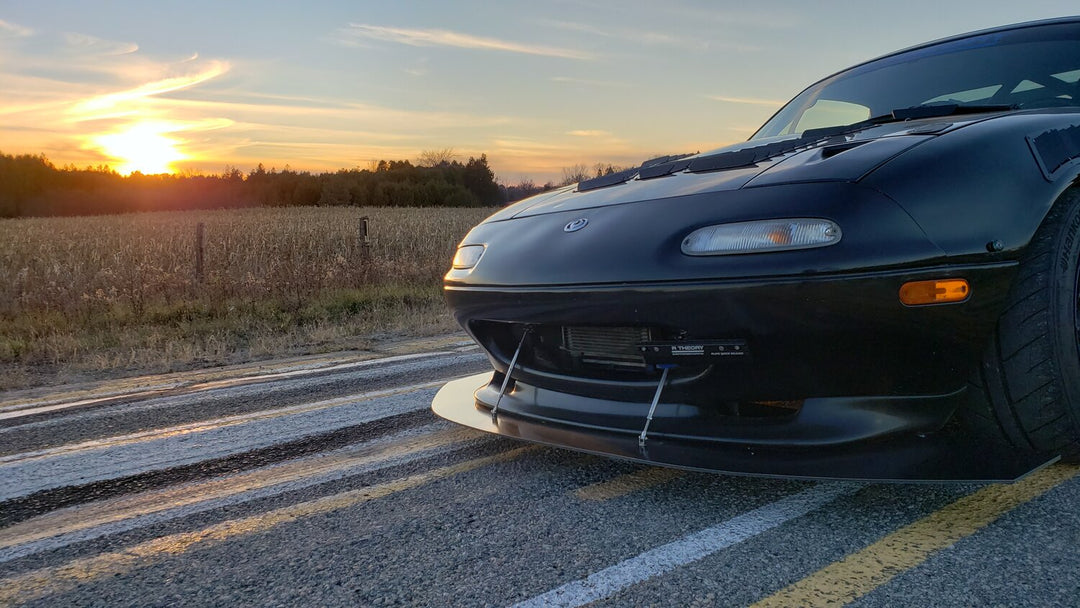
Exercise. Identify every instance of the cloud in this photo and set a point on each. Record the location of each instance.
(86, 95)
(283, 111)
(660, 39)
(98, 46)
(746, 100)
(15, 30)
(575, 27)
(519, 156)
(419, 68)
(746, 130)
(447, 38)
(588, 82)
(588, 133)
(750, 16)
(637, 36)
(110, 101)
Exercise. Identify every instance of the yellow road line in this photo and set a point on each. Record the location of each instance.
(96, 514)
(625, 484)
(860, 573)
(58, 579)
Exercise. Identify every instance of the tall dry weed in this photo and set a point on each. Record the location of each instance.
(92, 264)
(72, 287)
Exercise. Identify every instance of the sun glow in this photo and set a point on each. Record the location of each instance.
(142, 147)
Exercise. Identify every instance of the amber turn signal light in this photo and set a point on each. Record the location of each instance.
(941, 291)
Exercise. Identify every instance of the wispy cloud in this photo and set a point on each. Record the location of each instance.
(588, 133)
(447, 38)
(420, 68)
(758, 16)
(87, 108)
(637, 36)
(98, 46)
(89, 97)
(284, 111)
(589, 82)
(752, 101)
(8, 28)
(662, 39)
(574, 26)
(539, 157)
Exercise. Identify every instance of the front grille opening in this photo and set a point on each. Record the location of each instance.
(588, 352)
(605, 362)
(607, 346)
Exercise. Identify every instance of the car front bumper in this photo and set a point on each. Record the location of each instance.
(880, 387)
(680, 438)
(840, 335)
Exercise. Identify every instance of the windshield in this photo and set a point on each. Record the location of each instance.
(1031, 67)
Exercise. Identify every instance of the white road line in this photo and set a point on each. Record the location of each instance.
(184, 447)
(40, 407)
(247, 391)
(691, 548)
(29, 409)
(90, 395)
(366, 461)
(207, 425)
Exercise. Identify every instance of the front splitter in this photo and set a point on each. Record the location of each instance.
(950, 455)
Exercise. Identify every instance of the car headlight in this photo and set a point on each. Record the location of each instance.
(467, 256)
(761, 236)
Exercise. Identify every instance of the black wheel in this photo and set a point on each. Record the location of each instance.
(1028, 384)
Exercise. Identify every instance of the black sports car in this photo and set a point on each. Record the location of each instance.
(882, 283)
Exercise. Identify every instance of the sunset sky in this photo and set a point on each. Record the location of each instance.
(537, 86)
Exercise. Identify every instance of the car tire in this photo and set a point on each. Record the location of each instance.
(1028, 383)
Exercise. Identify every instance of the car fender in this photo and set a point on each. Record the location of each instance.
(981, 190)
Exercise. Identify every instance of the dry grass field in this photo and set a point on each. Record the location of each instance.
(89, 295)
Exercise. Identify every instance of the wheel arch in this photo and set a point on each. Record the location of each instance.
(1028, 381)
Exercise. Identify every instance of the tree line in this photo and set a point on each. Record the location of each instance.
(30, 185)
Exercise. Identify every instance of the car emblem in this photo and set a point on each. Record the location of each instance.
(576, 225)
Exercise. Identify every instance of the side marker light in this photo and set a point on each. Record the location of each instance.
(940, 291)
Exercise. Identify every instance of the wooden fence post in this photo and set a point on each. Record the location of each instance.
(365, 244)
(200, 230)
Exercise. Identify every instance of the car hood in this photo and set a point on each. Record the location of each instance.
(765, 162)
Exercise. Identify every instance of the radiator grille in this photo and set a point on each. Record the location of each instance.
(606, 345)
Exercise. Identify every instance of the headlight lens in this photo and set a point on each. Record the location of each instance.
(761, 236)
(467, 256)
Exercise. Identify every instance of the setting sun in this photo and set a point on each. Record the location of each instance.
(142, 147)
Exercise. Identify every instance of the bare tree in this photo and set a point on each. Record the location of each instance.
(435, 158)
(574, 174)
(602, 169)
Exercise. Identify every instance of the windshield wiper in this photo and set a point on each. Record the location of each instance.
(825, 132)
(902, 114)
(947, 109)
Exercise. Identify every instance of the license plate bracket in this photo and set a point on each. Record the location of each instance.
(693, 351)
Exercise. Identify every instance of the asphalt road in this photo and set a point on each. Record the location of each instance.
(328, 482)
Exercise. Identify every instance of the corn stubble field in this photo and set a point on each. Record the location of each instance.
(92, 295)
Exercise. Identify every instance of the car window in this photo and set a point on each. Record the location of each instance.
(1028, 67)
(829, 112)
(968, 96)
(1069, 77)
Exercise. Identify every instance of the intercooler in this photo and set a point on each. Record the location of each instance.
(615, 346)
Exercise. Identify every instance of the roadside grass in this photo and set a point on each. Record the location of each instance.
(108, 296)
